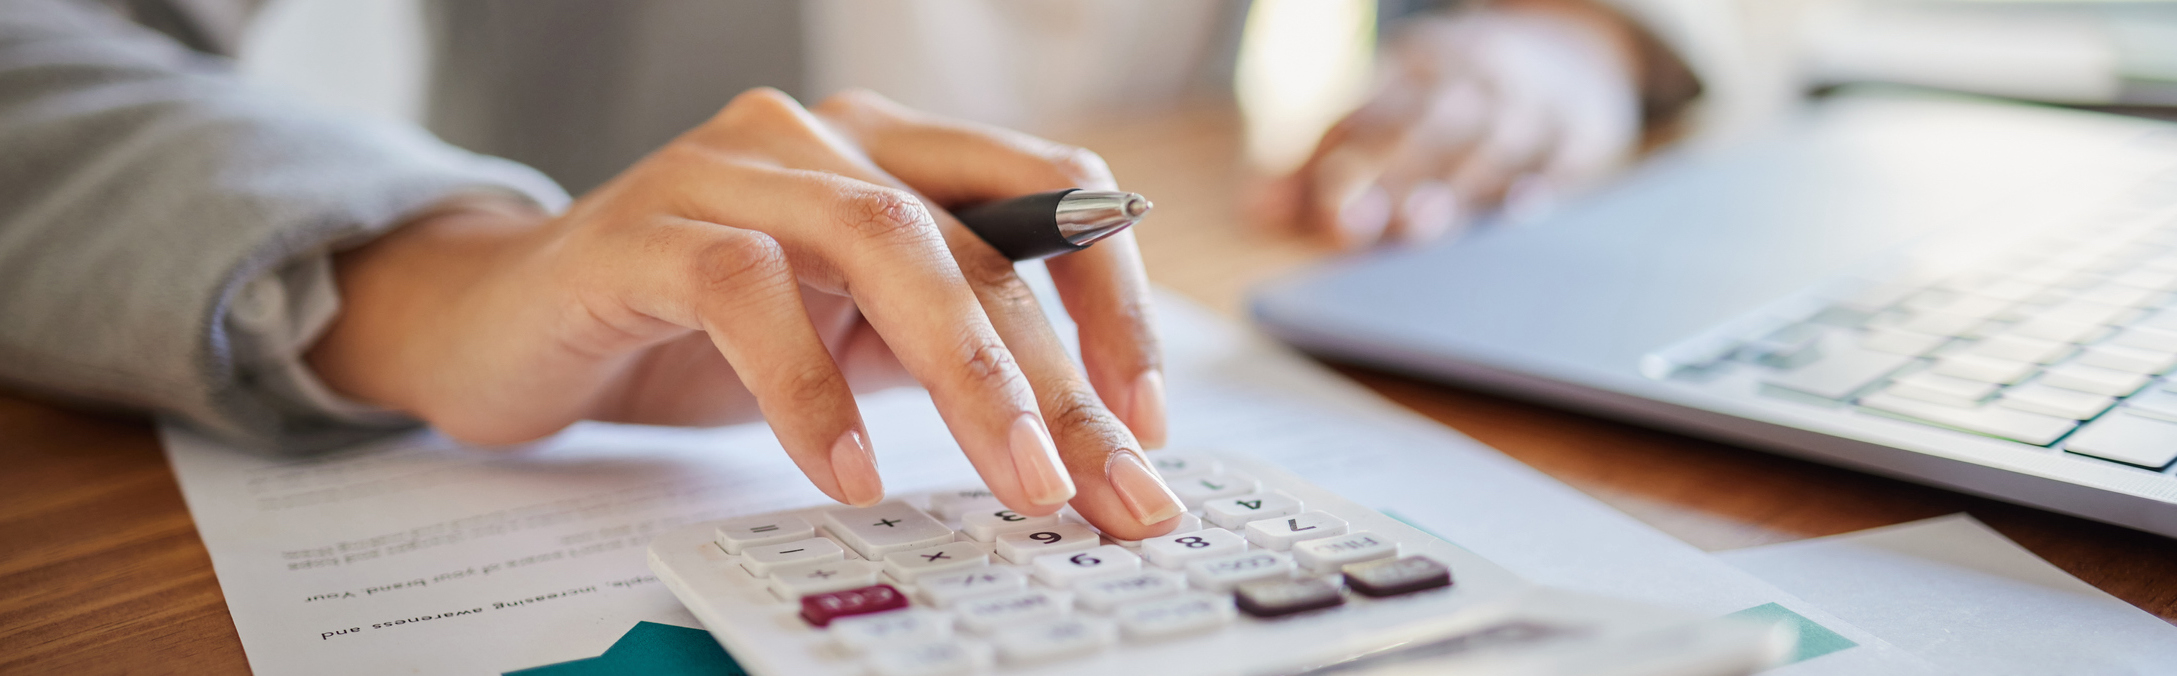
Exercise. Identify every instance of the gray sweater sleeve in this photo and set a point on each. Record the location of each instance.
(165, 230)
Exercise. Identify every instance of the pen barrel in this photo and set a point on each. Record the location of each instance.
(1047, 224)
(1023, 228)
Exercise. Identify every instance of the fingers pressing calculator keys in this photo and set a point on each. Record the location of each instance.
(1188, 523)
(1063, 569)
(821, 608)
(759, 560)
(889, 527)
(1235, 512)
(987, 525)
(1280, 534)
(913, 564)
(739, 534)
(1174, 551)
(1021, 547)
(1327, 555)
(1198, 490)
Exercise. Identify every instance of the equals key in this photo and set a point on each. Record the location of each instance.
(1279, 534)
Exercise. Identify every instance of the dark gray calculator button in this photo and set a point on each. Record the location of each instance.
(1282, 597)
(1391, 577)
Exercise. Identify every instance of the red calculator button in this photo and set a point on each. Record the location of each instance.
(821, 609)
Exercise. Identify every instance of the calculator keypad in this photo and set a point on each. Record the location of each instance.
(1008, 589)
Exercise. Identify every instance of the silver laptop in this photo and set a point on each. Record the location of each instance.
(1969, 294)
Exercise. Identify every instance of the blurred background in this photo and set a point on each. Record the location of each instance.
(1200, 99)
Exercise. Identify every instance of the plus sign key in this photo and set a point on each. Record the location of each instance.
(889, 527)
(794, 582)
(912, 564)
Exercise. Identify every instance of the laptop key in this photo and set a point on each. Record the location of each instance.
(1984, 369)
(2129, 439)
(2094, 379)
(1843, 373)
(1942, 389)
(2056, 401)
(2129, 359)
(1994, 421)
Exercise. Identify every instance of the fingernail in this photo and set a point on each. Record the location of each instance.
(1365, 214)
(1144, 494)
(854, 466)
(1035, 458)
(1430, 209)
(1145, 409)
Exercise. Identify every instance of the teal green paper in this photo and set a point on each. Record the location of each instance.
(1814, 640)
(651, 648)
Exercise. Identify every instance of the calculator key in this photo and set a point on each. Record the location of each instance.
(1235, 512)
(1391, 577)
(1174, 551)
(793, 582)
(1327, 555)
(937, 658)
(1176, 465)
(1063, 569)
(956, 503)
(1225, 572)
(1065, 537)
(949, 588)
(910, 565)
(761, 559)
(1285, 597)
(1202, 489)
(1102, 594)
(1188, 523)
(1171, 618)
(860, 633)
(1281, 533)
(1053, 640)
(987, 525)
(822, 607)
(889, 527)
(739, 534)
(986, 614)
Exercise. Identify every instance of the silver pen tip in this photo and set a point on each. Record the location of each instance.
(1137, 206)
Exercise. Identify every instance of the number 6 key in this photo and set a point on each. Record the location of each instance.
(1020, 546)
(1060, 570)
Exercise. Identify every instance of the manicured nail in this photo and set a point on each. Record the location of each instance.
(1365, 214)
(1429, 209)
(854, 466)
(1035, 458)
(1144, 494)
(1145, 409)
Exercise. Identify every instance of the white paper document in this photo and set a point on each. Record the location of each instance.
(418, 556)
(1967, 599)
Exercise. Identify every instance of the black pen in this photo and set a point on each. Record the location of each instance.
(1051, 223)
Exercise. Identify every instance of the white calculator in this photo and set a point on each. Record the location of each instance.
(1266, 575)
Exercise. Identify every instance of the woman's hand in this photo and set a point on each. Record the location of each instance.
(762, 263)
(1529, 95)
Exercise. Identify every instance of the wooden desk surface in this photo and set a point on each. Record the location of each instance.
(101, 569)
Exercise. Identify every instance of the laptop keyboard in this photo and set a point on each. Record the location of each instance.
(2065, 340)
